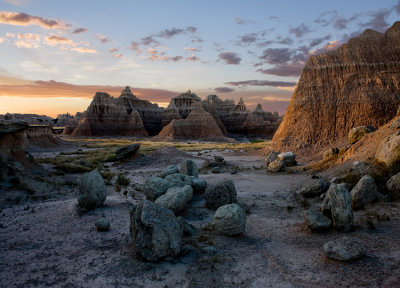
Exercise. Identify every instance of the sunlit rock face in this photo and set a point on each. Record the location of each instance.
(357, 84)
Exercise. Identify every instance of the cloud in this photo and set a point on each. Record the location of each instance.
(378, 20)
(18, 3)
(112, 50)
(135, 47)
(84, 50)
(262, 83)
(191, 29)
(23, 19)
(223, 90)
(28, 40)
(247, 39)
(317, 41)
(2, 40)
(332, 45)
(397, 7)
(230, 58)
(117, 56)
(191, 49)
(53, 40)
(169, 33)
(241, 21)
(285, 69)
(176, 58)
(103, 39)
(277, 55)
(148, 41)
(193, 58)
(300, 31)
(79, 30)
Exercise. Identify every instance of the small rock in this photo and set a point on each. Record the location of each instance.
(220, 194)
(344, 249)
(276, 166)
(176, 198)
(188, 167)
(271, 157)
(126, 151)
(229, 220)
(219, 158)
(216, 170)
(357, 133)
(314, 187)
(199, 185)
(179, 180)
(364, 192)
(154, 187)
(171, 169)
(393, 185)
(288, 157)
(102, 224)
(92, 190)
(316, 221)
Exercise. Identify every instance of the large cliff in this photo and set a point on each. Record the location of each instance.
(357, 84)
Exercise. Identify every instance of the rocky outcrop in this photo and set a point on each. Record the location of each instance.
(12, 142)
(357, 84)
(41, 136)
(198, 125)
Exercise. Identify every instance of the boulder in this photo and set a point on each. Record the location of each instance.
(156, 232)
(388, 151)
(344, 249)
(176, 198)
(341, 89)
(330, 153)
(229, 220)
(92, 190)
(188, 229)
(199, 185)
(357, 133)
(271, 157)
(276, 166)
(102, 224)
(288, 157)
(314, 187)
(216, 170)
(126, 151)
(179, 180)
(155, 186)
(393, 185)
(337, 205)
(171, 169)
(188, 167)
(219, 158)
(364, 192)
(220, 194)
(316, 221)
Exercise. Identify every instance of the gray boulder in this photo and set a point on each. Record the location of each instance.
(316, 221)
(156, 232)
(345, 249)
(393, 185)
(92, 190)
(220, 194)
(357, 133)
(102, 224)
(288, 157)
(188, 167)
(126, 152)
(271, 157)
(219, 159)
(199, 185)
(364, 192)
(176, 198)
(229, 220)
(179, 180)
(171, 169)
(314, 187)
(388, 151)
(337, 205)
(154, 187)
(277, 165)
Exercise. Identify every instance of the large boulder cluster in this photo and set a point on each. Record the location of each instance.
(157, 230)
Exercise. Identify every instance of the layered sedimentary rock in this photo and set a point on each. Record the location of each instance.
(357, 84)
(41, 136)
(198, 125)
(27, 118)
(12, 142)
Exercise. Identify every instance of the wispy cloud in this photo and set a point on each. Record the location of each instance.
(262, 83)
(103, 39)
(53, 40)
(117, 56)
(223, 90)
(79, 30)
(18, 3)
(241, 21)
(149, 41)
(112, 50)
(331, 45)
(192, 58)
(300, 30)
(191, 49)
(135, 47)
(28, 40)
(230, 58)
(23, 19)
(285, 69)
(84, 50)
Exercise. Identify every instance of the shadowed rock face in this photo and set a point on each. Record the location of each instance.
(357, 84)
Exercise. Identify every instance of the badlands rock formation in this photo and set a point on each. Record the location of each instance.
(357, 84)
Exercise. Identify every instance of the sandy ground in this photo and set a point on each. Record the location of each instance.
(50, 243)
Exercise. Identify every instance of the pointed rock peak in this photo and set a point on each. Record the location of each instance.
(369, 33)
(127, 92)
(189, 95)
(172, 104)
(258, 107)
(241, 101)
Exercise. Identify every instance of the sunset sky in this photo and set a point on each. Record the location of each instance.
(56, 54)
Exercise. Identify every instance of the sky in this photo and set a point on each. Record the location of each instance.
(55, 55)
